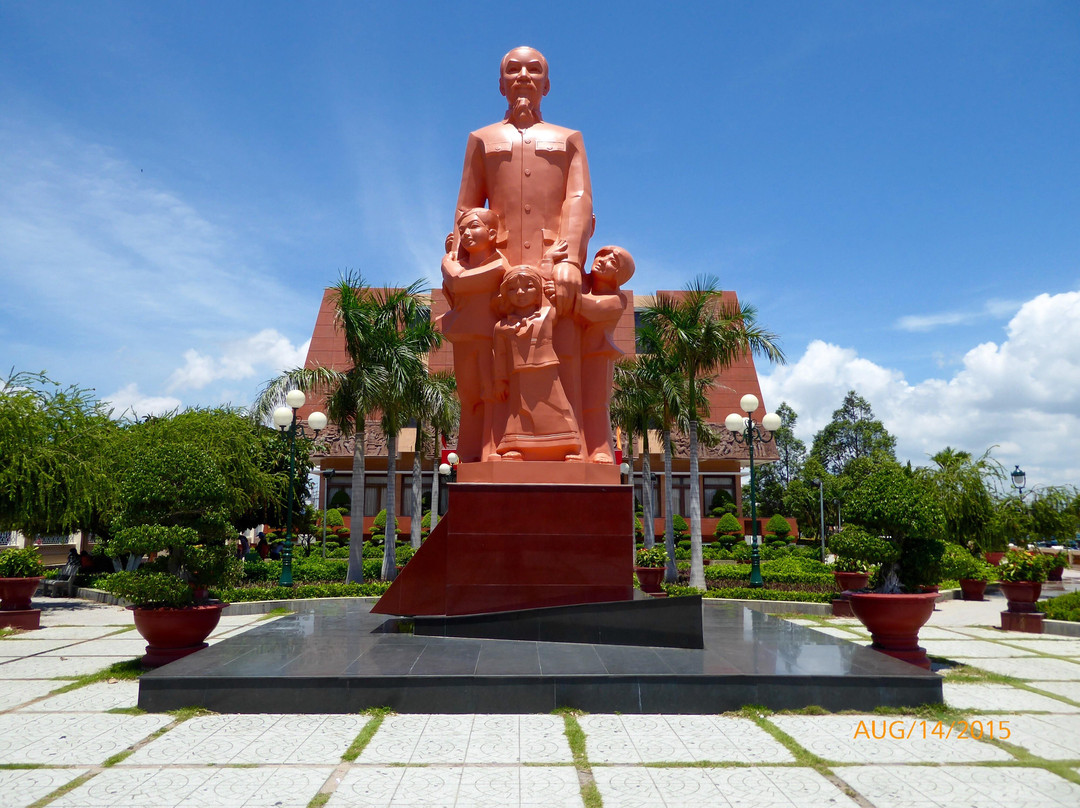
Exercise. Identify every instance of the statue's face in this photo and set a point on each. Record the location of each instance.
(474, 233)
(606, 265)
(524, 74)
(522, 291)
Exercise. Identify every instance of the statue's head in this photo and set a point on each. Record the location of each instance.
(523, 74)
(521, 287)
(614, 264)
(477, 230)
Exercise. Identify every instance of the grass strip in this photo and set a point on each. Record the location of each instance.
(575, 737)
(129, 670)
(377, 715)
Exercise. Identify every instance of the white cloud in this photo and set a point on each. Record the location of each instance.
(129, 402)
(1022, 394)
(268, 352)
(992, 309)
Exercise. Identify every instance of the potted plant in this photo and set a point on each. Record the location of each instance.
(21, 571)
(1021, 574)
(902, 526)
(173, 609)
(649, 565)
(850, 571)
(972, 573)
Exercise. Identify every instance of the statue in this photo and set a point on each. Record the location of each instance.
(471, 278)
(540, 423)
(525, 201)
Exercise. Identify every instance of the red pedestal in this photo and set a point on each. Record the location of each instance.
(503, 547)
(1031, 622)
(23, 619)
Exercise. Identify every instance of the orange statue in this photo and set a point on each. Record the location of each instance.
(471, 278)
(601, 309)
(540, 423)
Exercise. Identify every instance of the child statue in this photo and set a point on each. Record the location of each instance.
(471, 275)
(601, 307)
(540, 423)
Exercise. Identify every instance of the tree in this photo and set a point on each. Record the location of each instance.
(964, 488)
(437, 406)
(853, 432)
(702, 335)
(1052, 518)
(53, 441)
(633, 403)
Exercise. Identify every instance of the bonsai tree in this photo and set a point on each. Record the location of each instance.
(856, 550)
(958, 564)
(897, 507)
(21, 562)
(778, 526)
(729, 529)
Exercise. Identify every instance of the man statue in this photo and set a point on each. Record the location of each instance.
(535, 176)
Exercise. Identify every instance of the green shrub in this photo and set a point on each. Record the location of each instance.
(854, 543)
(729, 526)
(333, 518)
(372, 568)
(403, 554)
(1023, 565)
(958, 563)
(372, 550)
(680, 526)
(378, 527)
(149, 589)
(338, 590)
(743, 593)
(425, 524)
(721, 503)
(340, 501)
(21, 562)
(1063, 607)
(778, 526)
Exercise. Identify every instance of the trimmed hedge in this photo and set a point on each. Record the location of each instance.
(1063, 607)
(244, 594)
(745, 593)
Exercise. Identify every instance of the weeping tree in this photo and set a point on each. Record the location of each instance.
(964, 489)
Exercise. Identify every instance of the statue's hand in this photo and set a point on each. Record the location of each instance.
(502, 389)
(567, 289)
(557, 252)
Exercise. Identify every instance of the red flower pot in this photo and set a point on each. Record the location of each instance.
(650, 579)
(174, 633)
(15, 593)
(994, 558)
(1022, 595)
(894, 622)
(971, 589)
(851, 580)
(1055, 573)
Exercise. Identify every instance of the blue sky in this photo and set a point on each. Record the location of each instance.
(895, 186)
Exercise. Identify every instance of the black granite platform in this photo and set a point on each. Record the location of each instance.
(336, 657)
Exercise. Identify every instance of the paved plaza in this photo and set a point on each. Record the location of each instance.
(1011, 736)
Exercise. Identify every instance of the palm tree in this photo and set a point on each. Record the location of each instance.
(439, 408)
(401, 336)
(701, 335)
(632, 408)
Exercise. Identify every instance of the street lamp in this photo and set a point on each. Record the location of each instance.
(285, 420)
(449, 471)
(820, 486)
(327, 475)
(747, 431)
(1019, 480)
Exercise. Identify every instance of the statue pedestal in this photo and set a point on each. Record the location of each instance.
(536, 472)
(502, 547)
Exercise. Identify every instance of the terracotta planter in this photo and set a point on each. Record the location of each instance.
(1022, 595)
(650, 579)
(174, 633)
(1055, 573)
(934, 588)
(894, 622)
(851, 580)
(994, 558)
(972, 589)
(15, 593)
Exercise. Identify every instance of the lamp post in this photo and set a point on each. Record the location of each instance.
(327, 475)
(449, 471)
(820, 486)
(747, 431)
(285, 421)
(1019, 480)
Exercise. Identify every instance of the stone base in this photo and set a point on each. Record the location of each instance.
(23, 619)
(1031, 622)
(841, 607)
(538, 472)
(509, 547)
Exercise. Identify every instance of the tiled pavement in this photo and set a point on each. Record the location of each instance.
(90, 747)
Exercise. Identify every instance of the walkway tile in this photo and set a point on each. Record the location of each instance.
(71, 632)
(1062, 646)
(960, 787)
(126, 645)
(469, 739)
(27, 645)
(98, 697)
(859, 739)
(1053, 737)
(766, 787)
(55, 667)
(1028, 668)
(20, 787)
(458, 787)
(272, 787)
(678, 739)
(72, 739)
(260, 739)
(969, 648)
(979, 696)
(1070, 690)
(14, 692)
